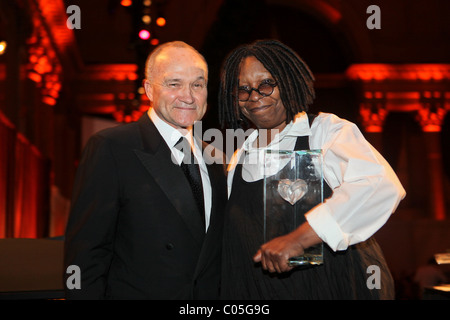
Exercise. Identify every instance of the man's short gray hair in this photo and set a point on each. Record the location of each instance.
(149, 64)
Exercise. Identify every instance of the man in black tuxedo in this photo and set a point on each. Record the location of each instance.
(135, 229)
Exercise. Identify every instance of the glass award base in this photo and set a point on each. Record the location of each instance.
(306, 259)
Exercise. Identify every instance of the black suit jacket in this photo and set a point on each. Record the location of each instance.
(134, 229)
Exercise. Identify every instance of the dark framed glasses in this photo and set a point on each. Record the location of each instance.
(264, 89)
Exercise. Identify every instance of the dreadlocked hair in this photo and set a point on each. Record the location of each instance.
(294, 78)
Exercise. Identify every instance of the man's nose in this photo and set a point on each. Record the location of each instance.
(186, 95)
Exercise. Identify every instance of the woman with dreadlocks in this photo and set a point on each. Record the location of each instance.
(267, 85)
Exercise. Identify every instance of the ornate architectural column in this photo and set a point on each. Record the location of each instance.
(422, 89)
(430, 116)
(110, 89)
(43, 67)
(372, 111)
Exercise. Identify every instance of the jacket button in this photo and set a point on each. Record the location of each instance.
(169, 246)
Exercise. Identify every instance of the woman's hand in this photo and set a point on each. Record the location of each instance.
(274, 255)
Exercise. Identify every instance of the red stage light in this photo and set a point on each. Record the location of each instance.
(2, 47)
(126, 3)
(161, 22)
(144, 34)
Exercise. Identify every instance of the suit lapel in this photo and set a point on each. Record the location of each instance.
(156, 158)
(213, 238)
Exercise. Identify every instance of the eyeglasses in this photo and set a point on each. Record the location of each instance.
(264, 89)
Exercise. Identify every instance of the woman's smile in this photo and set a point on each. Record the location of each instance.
(259, 109)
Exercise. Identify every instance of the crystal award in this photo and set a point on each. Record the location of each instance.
(293, 185)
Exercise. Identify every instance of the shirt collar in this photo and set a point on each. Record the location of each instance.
(300, 126)
(170, 134)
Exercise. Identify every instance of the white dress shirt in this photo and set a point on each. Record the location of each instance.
(171, 136)
(366, 191)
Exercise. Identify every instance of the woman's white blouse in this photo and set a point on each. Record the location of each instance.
(366, 191)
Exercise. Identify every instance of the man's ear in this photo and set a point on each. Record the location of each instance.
(148, 89)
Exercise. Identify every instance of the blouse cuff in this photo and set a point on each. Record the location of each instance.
(322, 222)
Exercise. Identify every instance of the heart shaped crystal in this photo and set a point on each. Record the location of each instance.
(292, 191)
